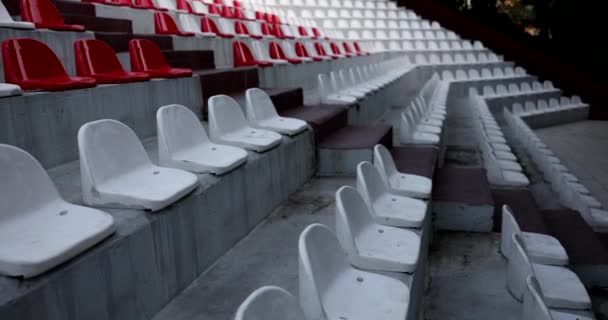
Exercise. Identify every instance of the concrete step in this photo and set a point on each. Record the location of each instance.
(416, 159)
(120, 41)
(342, 150)
(64, 7)
(462, 200)
(324, 120)
(98, 24)
(191, 59)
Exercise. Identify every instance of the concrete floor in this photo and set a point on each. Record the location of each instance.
(467, 272)
(583, 148)
(468, 279)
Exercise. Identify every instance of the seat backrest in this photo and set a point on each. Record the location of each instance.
(270, 303)
(321, 261)
(24, 184)
(145, 55)
(259, 105)
(508, 228)
(276, 51)
(240, 28)
(519, 267)
(383, 161)
(369, 183)
(178, 129)
(108, 149)
(209, 26)
(352, 217)
(4, 15)
(534, 306)
(167, 4)
(29, 59)
(40, 11)
(184, 5)
(225, 116)
(95, 57)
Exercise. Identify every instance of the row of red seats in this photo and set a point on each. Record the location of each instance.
(243, 57)
(32, 65)
(165, 24)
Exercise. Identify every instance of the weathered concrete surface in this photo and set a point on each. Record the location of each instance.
(142, 20)
(153, 257)
(61, 42)
(468, 279)
(583, 148)
(46, 124)
(269, 256)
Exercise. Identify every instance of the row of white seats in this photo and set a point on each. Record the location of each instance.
(506, 73)
(116, 172)
(537, 274)
(347, 86)
(541, 106)
(114, 164)
(423, 120)
(456, 59)
(566, 185)
(501, 90)
(391, 34)
(360, 4)
(373, 24)
(500, 162)
(378, 229)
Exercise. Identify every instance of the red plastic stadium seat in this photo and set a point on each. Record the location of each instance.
(274, 19)
(164, 24)
(239, 14)
(185, 6)
(147, 4)
(244, 58)
(321, 52)
(97, 60)
(358, 49)
(209, 26)
(348, 50)
(302, 52)
(241, 28)
(32, 65)
(276, 52)
(267, 29)
(336, 50)
(227, 12)
(237, 4)
(214, 10)
(146, 57)
(219, 2)
(45, 15)
(278, 32)
(302, 31)
(260, 16)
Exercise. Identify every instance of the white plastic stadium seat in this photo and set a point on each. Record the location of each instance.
(541, 248)
(371, 246)
(227, 125)
(408, 185)
(535, 308)
(184, 144)
(8, 90)
(262, 114)
(270, 303)
(6, 21)
(117, 173)
(330, 288)
(38, 229)
(388, 209)
(560, 286)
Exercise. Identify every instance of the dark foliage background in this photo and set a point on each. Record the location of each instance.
(573, 31)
